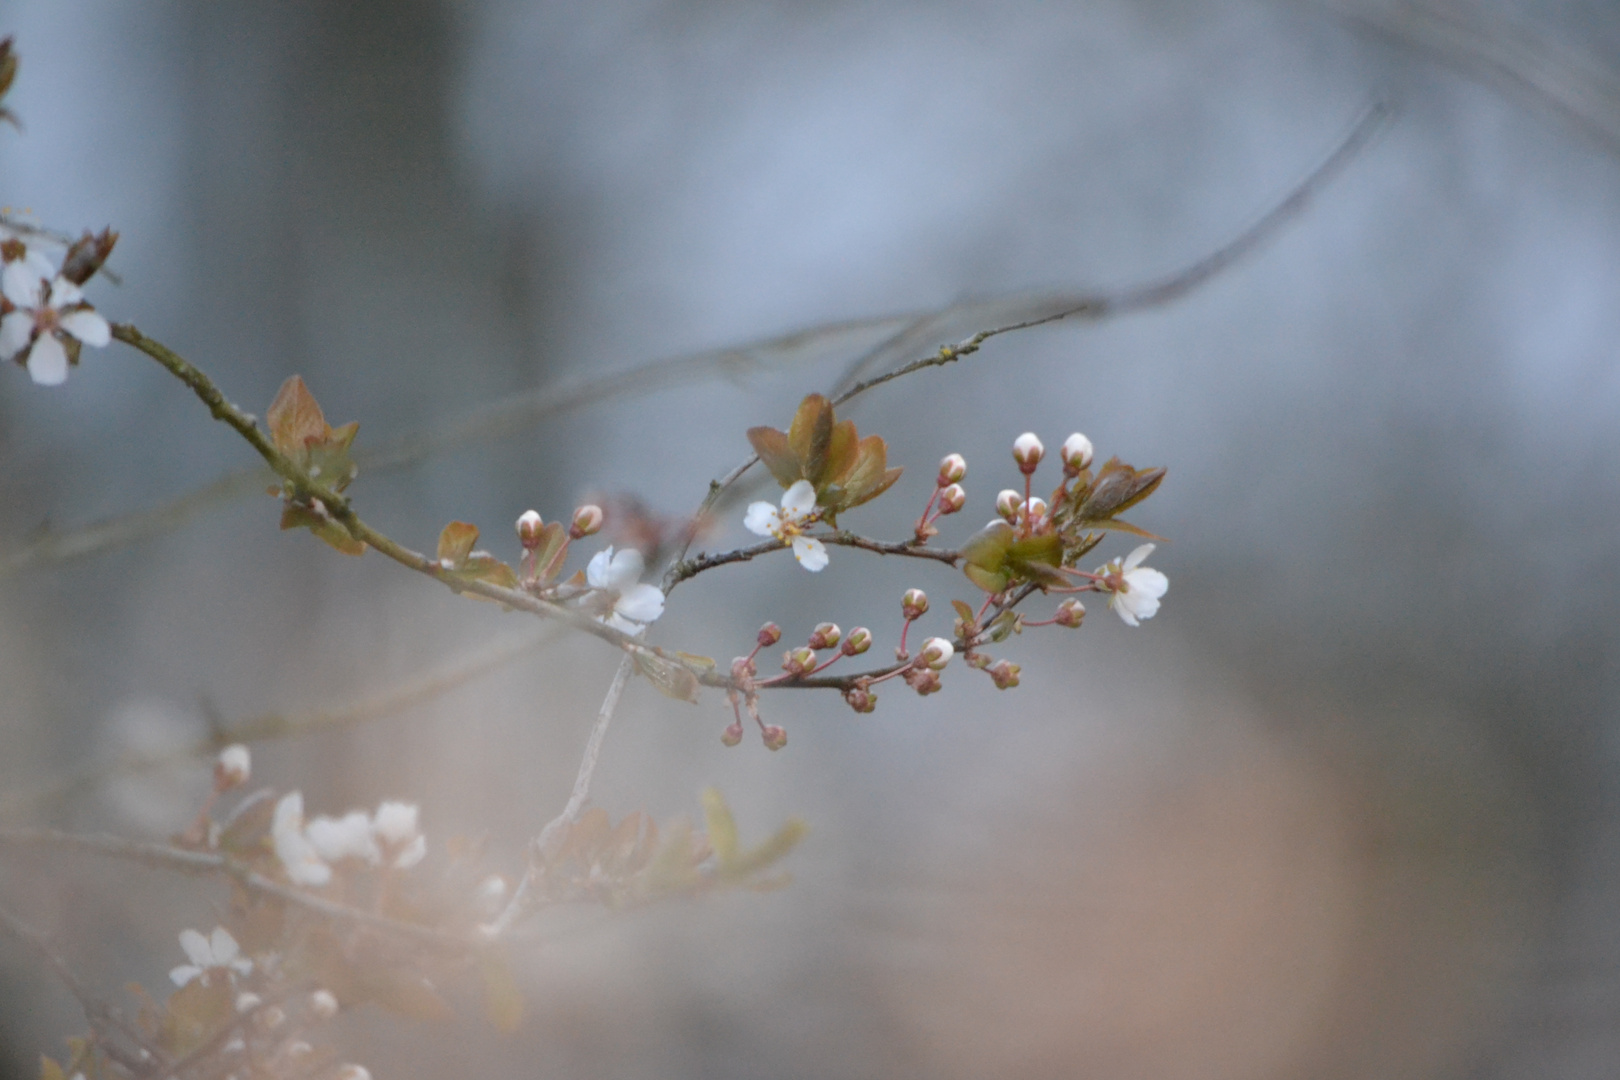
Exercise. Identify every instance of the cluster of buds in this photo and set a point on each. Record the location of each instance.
(923, 675)
(948, 496)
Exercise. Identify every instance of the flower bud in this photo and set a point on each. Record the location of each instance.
(1008, 503)
(775, 737)
(1076, 454)
(1004, 673)
(952, 467)
(798, 661)
(1028, 451)
(858, 641)
(232, 768)
(923, 681)
(860, 699)
(733, 733)
(952, 499)
(914, 604)
(742, 669)
(247, 1002)
(528, 530)
(1035, 509)
(352, 1071)
(323, 1004)
(936, 653)
(769, 635)
(825, 636)
(587, 521)
(1070, 613)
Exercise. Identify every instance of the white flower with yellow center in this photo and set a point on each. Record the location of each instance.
(787, 523)
(217, 952)
(44, 313)
(1133, 589)
(616, 577)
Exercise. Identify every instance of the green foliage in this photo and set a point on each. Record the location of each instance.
(459, 562)
(299, 431)
(845, 470)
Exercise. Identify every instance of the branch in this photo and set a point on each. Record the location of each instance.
(186, 861)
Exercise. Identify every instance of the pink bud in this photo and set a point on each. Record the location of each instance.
(858, 641)
(825, 636)
(775, 737)
(733, 733)
(1076, 454)
(1070, 613)
(769, 634)
(1028, 451)
(587, 521)
(1008, 503)
(923, 681)
(1004, 673)
(952, 499)
(860, 699)
(914, 604)
(798, 661)
(528, 529)
(952, 467)
(936, 653)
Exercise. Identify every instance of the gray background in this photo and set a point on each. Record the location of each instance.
(1346, 808)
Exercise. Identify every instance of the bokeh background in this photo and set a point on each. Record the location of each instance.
(1349, 807)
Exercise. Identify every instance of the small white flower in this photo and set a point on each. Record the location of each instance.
(616, 576)
(323, 1004)
(298, 856)
(45, 312)
(1077, 451)
(395, 828)
(787, 523)
(347, 837)
(247, 1002)
(234, 766)
(218, 952)
(1133, 589)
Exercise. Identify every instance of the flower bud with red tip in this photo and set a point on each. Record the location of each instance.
(1070, 613)
(528, 530)
(1004, 673)
(1028, 451)
(825, 636)
(923, 681)
(914, 604)
(1077, 454)
(1009, 503)
(733, 733)
(952, 499)
(769, 635)
(587, 521)
(860, 699)
(775, 737)
(952, 467)
(858, 641)
(798, 661)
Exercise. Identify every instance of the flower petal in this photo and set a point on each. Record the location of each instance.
(47, 361)
(1122, 608)
(1134, 559)
(761, 518)
(413, 853)
(197, 948)
(798, 501)
(16, 331)
(596, 573)
(223, 946)
(184, 974)
(20, 282)
(640, 603)
(88, 326)
(64, 292)
(625, 569)
(1146, 581)
(811, 553)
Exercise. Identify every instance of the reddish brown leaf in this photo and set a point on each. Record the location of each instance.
(295, 418)
(772, 447)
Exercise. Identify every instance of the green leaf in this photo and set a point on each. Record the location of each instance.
(763, 857)
(456, 543)
(964, 610)
(810, 436)
(721, 826)
(772, 447)
(294, 516)
(1005, 625)
(295, 419)
(669, 678)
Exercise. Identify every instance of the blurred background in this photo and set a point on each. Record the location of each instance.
(1348, 807)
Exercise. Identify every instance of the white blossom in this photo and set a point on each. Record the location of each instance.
(787, 523)
(1134, 590)
(617, 577)
(217, 952)
(347, 837)
(45, 312)
(235, 765)
(298, 856)
(395, 827)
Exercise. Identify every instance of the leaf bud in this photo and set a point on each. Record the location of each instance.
(733, 733)
(528, 529)
(952, 499)
(775, 737)
(825, 636)
(1070, 613)
(858, 641)
(798, 661)
(952, 467)
(1004, 673)
(233, 767)
(860, 699)
(323, 1004)
(914, 604)
(769, 634)
(936, 653)
(1008, 503)
(587, 521)
(1028, 451)
(1076, 454)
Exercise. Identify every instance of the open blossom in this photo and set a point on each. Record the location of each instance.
(787, 523)
(1133, 589)
(347, 837)
(217, 952)
(45, 313)
(296, 851)
(395, 828)
(617, 576)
